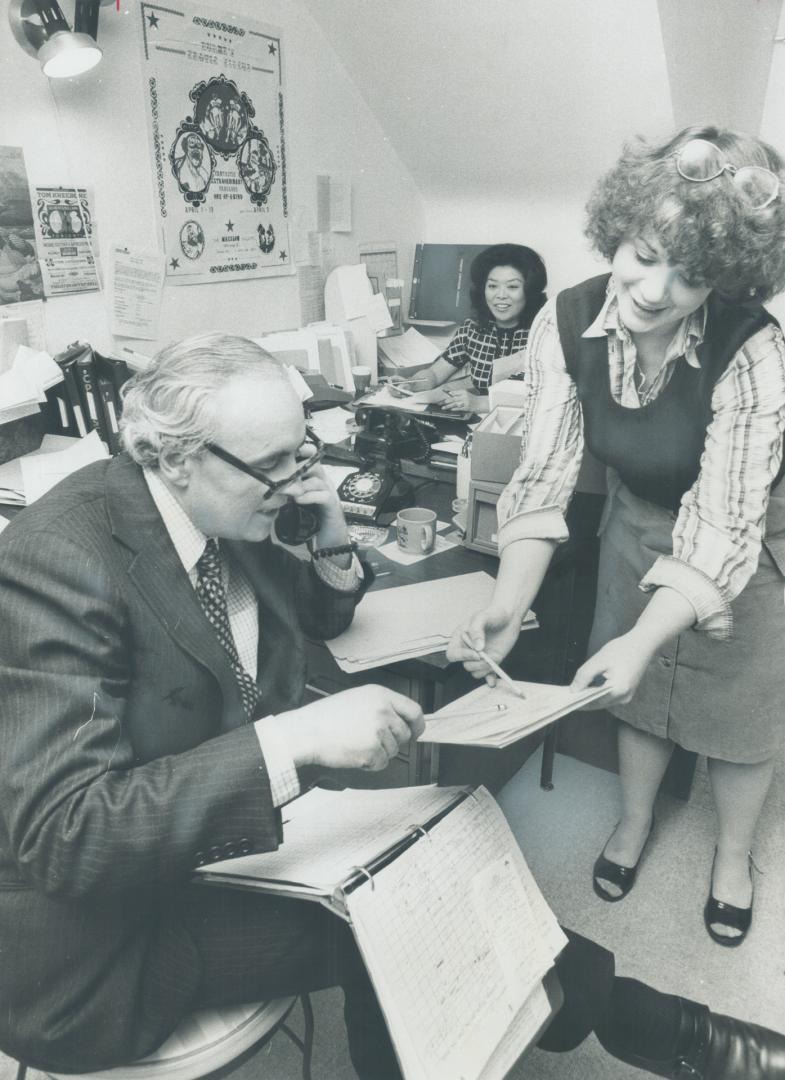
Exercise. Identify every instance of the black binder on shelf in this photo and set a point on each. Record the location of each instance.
(67, 362)
(89, 397)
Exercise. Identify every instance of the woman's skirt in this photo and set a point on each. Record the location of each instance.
(722, 698)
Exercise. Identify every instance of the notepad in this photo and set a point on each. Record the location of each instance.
(495, 717)
(452, 927)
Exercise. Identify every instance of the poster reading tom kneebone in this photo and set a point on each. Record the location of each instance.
(215, 107)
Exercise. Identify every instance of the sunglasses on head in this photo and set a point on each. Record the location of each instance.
(307, 462)
(700, 161)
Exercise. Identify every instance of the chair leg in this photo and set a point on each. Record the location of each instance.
(21, 1071)
(305, 1045)
(308, 1032)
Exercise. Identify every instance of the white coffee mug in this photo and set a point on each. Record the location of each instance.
(416, 529)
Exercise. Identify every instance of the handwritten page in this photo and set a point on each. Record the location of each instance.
(453, 945)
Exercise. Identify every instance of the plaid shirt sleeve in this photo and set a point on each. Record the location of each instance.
(533, 504)
(719, 529)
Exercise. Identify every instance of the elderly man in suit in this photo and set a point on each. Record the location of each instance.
(151, 674)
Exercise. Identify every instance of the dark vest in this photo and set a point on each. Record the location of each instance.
(656, 449)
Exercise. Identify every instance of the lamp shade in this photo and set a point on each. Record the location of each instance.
(66, 54)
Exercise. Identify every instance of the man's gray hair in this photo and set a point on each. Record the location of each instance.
(171, 404)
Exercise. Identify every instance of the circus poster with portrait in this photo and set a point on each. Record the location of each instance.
(214, 91)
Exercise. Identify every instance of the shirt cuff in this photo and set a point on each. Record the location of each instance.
(712, 611)
(544, 523)
(284, 781)
(344, 580)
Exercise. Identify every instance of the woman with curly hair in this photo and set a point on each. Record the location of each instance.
(671, 373)
(507, 290)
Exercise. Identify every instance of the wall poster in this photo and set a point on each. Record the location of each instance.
(66, 236)
(20, 274)
(214, 94)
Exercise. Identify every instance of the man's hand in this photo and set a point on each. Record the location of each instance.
(493, 630)
(362, 728)
(316, 489)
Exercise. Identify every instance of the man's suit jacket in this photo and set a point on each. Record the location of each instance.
(125, 758)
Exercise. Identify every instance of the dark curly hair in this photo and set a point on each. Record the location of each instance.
(526, 261)
(706, 228)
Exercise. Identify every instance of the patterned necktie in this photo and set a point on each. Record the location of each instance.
(210, 590)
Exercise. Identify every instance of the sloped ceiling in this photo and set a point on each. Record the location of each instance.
(535, 94)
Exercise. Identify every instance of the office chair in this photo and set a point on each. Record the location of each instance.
(212, 1043)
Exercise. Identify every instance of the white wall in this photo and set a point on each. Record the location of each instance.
(92, 132)
(552, 226)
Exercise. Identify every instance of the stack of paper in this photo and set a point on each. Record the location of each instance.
(384, 398)
(26, 478)
(496, 717)
(411, 349)
(411, 620)
(23, 387)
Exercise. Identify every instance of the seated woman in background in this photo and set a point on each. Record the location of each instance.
(507, 291)
(672, 374)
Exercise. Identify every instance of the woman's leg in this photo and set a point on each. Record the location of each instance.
(643, 759)
(739, 792)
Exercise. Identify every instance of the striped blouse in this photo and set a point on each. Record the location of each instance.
(718, 531)
(479, 347)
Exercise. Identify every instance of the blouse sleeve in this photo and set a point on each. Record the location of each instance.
(718, 532)
(534, 503)
(456, 353)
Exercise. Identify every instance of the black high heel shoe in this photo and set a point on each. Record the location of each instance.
(735, 918)
(623, 877)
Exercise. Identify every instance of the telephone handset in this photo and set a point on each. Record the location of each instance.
(294, 524)
(364, 495)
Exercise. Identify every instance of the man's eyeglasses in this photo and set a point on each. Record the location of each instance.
(306, 462)
(700, 161)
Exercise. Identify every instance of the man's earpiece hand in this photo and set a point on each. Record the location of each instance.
(362, 728)
(316, 489)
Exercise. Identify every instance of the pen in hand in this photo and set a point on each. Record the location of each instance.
(499, 672)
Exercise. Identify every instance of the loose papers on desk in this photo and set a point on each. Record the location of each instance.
(26, 478)
(383, 398)
(23, 387)
(411, 349)
(410, 620)
(494, 716)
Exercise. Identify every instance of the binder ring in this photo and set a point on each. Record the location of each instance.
(368, 874)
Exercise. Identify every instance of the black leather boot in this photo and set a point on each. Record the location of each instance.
(712, 1047)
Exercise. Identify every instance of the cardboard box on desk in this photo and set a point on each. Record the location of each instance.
(510, 392)
(496, 446)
